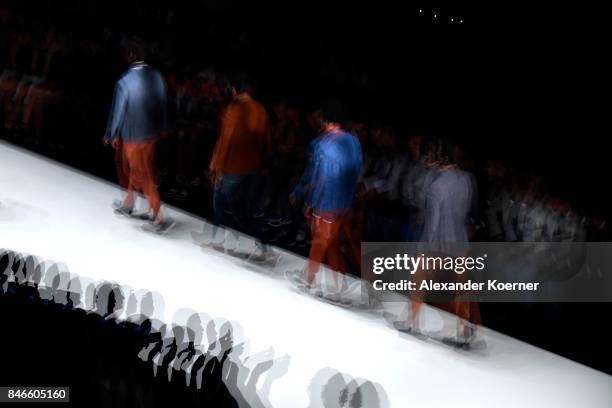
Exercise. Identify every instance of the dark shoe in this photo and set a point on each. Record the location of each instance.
(466, 337)
(454, 342)
(463, 339)
(144, 216)
(407, 328)
(125, 211)
(404, 327)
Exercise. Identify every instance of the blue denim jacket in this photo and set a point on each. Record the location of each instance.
(332, 173)
(138, 112)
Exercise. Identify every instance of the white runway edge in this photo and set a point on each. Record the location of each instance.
(58, 213)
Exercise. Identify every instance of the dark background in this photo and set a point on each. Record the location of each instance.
(522, 83)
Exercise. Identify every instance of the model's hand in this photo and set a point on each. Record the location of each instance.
(115, 143)
(215, 177)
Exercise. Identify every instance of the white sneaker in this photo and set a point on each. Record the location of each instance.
(159, 227)
(296, 276)
(337, 298)
(262, 254)
(367, 297)
(231, 241)
(201, 238)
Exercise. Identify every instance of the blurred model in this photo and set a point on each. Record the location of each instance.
(329, 184)
(137, 120)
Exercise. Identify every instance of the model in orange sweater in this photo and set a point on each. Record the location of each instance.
(243, 143)
(239, 155)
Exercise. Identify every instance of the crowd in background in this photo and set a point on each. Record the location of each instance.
(52, 97)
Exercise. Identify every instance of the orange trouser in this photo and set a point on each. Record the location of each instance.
(138, 162)
(121, 166)
(325, 246)
(467, 310)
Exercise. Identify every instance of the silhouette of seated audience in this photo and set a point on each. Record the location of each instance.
(110, 345)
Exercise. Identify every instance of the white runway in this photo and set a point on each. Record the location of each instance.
(58, 213)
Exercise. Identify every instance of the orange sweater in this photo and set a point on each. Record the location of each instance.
(244, 141)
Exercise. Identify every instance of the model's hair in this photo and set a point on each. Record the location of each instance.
(135, 48)
(443, 152)
(242, 83)
(333, 111)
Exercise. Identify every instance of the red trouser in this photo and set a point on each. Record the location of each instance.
(467, 310)
(138, 162)
(122, 167)
(325, 245)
